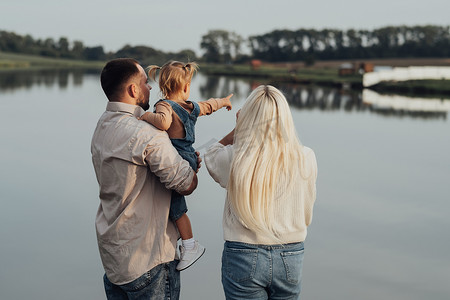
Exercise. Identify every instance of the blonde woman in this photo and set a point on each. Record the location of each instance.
(270, 180)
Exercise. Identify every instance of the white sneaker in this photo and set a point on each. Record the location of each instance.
(188, 257)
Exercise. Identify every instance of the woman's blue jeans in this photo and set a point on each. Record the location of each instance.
(162, 283)
(262, 271)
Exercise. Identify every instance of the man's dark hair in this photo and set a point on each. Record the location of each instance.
(115, 73)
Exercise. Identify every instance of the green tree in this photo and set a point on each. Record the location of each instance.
(63, 47)
(10, 42)
(186, 55)
(49, 48)
(94, 53)
(221, 46)
(77, 49)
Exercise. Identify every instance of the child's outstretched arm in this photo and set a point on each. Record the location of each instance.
(161, 118)
(211, 105)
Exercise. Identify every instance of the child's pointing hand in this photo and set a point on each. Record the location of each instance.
(227, 101)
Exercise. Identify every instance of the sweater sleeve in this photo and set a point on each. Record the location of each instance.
(161, 118)
(211, 105)
(311, 183)
(218, 162)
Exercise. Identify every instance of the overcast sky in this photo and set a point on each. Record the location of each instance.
(173, 25)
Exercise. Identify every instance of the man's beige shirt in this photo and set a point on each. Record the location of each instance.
(136, 167)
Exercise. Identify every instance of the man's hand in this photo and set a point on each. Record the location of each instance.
(194, 183)
(199, 161)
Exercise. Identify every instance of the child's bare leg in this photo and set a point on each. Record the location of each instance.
(191, 250)
(184, 227)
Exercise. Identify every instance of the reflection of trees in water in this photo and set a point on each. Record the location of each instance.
(12, 80)
(305, 97)
(216, 87)
(322, 98)
(326, 99)
(210, 87)
(390, 112)
(311, 97)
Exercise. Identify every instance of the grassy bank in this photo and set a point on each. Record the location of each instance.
(11, 61)
(326, 73)
(323, 76)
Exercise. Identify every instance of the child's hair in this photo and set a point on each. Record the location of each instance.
(173, 76)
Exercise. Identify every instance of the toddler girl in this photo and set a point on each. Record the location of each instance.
(177, 116)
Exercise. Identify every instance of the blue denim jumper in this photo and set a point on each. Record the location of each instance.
(184, 147)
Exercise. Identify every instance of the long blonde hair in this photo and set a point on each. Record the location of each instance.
(173, 76)
(266, 152)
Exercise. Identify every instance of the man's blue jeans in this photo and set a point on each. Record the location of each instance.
(160, 283)
(262, 271)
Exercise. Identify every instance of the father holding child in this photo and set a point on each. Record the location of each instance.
(136, 168)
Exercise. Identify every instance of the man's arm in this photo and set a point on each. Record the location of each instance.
(195, 180)
(192, 187)
(165, 162)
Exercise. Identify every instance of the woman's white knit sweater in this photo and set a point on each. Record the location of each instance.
(293, 204)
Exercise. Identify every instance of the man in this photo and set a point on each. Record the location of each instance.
(136, 168)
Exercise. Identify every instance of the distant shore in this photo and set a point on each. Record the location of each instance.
(327, 73)
(320, 73)
(286, 73)
(12, 62)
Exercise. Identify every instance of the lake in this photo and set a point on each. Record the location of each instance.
(380, 228)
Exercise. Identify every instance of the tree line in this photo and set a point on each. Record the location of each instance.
(63, 48)
(328, 44)
(222, 46)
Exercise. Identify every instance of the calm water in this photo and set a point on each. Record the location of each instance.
(380, 228)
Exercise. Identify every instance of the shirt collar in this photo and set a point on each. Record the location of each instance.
(125, 107)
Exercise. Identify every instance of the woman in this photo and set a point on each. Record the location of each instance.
(271, 188)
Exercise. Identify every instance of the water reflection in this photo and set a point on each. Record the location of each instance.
(323, 98)
(215, 85)
(401, 105)
(18, 79)
(329, 99)
(304, 97)
(312, 97)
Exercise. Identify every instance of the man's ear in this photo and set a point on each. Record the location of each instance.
(132, 90)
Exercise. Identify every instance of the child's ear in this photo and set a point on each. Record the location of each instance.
(186, 86)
